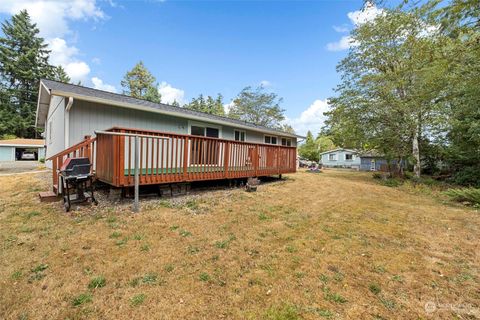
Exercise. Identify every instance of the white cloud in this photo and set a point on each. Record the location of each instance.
(368, 13)
(66, 56)
(343, 44)
(98, 84)
(77, 71)
(52, 16)
(228, 106)
(310, 119)
(265, 83)
(171, 94)
(96, 60)
(341, 29)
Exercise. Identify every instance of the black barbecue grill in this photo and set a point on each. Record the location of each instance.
(77, 181)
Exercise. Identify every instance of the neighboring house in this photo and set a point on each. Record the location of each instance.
(18, 149)
(69, 112)
(348, 158)
(340, 158)
(373, 161)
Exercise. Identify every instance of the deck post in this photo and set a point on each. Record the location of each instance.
(185, 159)
(137, 178)
(226, 158)
(256, 160)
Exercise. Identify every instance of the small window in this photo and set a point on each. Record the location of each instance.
(197, 131)
(348, 156)
(332, 157)
(212, 132)
(204, 131)
(239, 135)
(286, 142)
(270, 140)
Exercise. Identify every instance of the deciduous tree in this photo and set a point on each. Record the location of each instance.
(258, 106)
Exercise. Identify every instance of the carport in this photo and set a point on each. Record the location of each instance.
(22, 149)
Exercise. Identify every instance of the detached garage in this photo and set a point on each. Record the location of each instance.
(22, 149)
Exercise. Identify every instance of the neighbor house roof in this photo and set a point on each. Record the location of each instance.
(23, 142)
(339, 149)
(49, 87)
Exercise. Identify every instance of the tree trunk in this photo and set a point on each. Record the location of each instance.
(416, 154)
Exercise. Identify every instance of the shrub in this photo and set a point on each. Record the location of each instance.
(468, 176)
(471, 195)
(391, 182)
(41, 160)
(377, 176)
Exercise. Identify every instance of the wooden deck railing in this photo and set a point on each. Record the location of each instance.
(85, 148)
(167, 158)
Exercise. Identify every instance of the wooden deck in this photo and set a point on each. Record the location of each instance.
(170, 158)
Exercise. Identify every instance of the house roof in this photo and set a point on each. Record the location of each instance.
(339, 149)
(23, 142)
(49, 87)
(371, 154)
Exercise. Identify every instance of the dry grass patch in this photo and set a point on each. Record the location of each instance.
(334, 245)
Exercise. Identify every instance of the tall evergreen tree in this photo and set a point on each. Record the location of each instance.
(140, 83)
(23, 61)
(208, 105)
(59, 74)
(258, 106)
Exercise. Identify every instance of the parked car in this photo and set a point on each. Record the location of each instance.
(28, 155)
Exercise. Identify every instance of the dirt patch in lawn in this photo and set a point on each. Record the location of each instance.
(331, 245)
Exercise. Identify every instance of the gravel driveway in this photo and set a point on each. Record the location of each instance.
(12, 167)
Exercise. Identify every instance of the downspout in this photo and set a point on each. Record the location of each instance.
(67, 122)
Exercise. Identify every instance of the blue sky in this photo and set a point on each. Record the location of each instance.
(208, 47)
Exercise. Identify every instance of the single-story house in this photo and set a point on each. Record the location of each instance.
(130, 140)
(349, 158)
(22, 149)
(68, 113)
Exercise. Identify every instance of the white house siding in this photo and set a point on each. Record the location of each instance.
(55, 128)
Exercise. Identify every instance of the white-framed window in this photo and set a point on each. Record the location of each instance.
(286, 142)
(270, 139)
(332, 157)
(204, 130)
(349, 157)
(239, 135)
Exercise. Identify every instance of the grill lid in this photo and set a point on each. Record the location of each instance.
(76, 166)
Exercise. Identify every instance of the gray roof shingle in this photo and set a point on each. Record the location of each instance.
(115, 97)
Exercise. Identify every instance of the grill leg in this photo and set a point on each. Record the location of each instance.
(94, 201)
(66, 195)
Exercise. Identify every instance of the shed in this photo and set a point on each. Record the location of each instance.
(22, 149)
